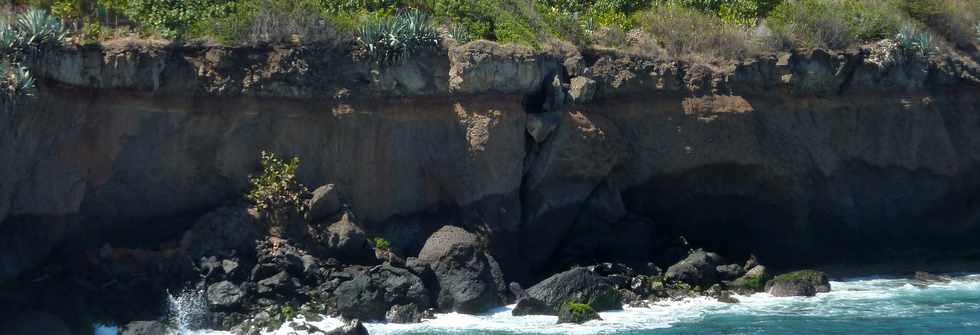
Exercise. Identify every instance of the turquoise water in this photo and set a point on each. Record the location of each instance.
(864, 306)
(860, 306)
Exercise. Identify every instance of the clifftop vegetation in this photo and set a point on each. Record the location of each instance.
(728, 29)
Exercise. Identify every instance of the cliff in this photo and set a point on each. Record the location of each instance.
(560, 156)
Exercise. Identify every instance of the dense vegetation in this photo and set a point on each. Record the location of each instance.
(391, 29)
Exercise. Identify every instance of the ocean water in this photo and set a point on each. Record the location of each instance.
(858, 306)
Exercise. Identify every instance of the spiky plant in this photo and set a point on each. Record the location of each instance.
(417, 31)
(459, 33)
(915, 43)
(16, 80)
(40, 29)
(10, 38)
(388, 40)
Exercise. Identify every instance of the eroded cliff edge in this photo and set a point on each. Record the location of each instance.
(561, 156)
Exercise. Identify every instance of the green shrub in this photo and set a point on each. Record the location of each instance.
(176, 19)
(507, 21)
(953, 19)
(382, 244)
(256, 21)
(834, 23)
(687, 32)
(276, 193)
(390, 39)
(745, 12)
(580, 309)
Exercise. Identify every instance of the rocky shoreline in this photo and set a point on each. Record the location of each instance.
(252, 276)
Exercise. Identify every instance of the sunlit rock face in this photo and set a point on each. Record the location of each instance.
(787, 155)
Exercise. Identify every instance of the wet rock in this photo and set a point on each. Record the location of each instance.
(577, 313)
(609, 269)
(722, 295)
(929, 278)
(627, 297)
(698, 269)
(351, 327)
(370, 295)
(729, 271)
(403, 314)
(469, 278)
(753, 281)
(640, 285)
(578, 284)
(527, 305)
(805, 283)
(225, 295)
(145, 328)
(324, 204)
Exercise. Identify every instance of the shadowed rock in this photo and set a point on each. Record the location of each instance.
(806, 283)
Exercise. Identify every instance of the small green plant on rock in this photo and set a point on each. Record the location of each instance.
(382, 244)
(276, 192)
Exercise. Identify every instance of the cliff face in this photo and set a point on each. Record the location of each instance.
(786, 156)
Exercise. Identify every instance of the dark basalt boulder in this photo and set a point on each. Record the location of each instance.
(578, 284)
(370, 295)
(225, 232)
(351, 327)
(224, 295)
(324, 204)
(928, 278)
(577, 313)
(698, 269)
(346, 241)
(752, 281)
(470, 281)
(729, 271)
(146, 328)
(404, 314)
(528, 305)
(805, 283)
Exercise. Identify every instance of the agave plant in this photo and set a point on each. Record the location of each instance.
(459, 33)
(388, 40)
(16, 80)
(38, 28)
(915, 43)
(417, 31)
(10, 38)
